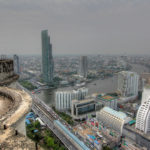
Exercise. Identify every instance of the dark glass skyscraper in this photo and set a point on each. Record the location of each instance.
(47, 58)
(83, 66)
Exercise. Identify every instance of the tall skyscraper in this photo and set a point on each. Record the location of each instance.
(16, 64)
(128, 83)
(47, 58)
(83, 67)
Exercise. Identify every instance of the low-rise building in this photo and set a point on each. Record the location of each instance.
(107, 100)
(112, 119)
(80, 109)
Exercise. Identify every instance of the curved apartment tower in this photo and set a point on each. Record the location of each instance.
(143, 114)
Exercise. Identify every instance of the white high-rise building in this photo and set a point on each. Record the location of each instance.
(63, 99)
(143, 114)
(128, 83)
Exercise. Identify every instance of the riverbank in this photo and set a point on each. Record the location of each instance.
(107, 85)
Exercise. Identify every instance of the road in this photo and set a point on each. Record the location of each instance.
(47, 115)
(48, 119)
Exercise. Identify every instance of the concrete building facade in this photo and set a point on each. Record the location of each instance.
(6, 69)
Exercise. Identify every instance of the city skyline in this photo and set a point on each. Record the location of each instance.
(76, 27)
(75, 74)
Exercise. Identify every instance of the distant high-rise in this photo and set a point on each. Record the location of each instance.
(83, 68)
(47, 58)
(128, 83)
(16, 64)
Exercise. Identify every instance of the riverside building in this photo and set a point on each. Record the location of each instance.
(63, 99)
(128, 83)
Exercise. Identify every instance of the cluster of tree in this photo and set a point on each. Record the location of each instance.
(27, 84)
(31, 128)
(44, 137)
(106, 148)
(50, 141)
(91, 76)
(64, 116)
(57, 79)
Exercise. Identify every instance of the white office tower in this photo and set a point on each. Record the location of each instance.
(143, 114)
(63, 99)
(83, 66)
(128, 83)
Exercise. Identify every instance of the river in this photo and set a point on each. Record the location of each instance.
(97, 86)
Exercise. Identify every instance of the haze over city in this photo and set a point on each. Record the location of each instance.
(75, 27)
(75, 75)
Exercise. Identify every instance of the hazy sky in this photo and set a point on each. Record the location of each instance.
(75, 26)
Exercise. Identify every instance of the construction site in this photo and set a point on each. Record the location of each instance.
(96, 134)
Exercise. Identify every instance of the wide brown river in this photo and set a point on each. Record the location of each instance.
(96, 86)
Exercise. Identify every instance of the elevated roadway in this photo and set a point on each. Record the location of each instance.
(47, 115)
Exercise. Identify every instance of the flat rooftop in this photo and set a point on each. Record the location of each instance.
(83, 101)
(106, 97)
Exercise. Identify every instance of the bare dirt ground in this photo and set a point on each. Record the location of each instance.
(5, 105)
